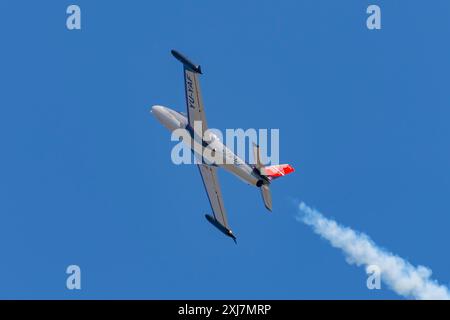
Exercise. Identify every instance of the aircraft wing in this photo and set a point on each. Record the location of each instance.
(194, 101)
(212, 187)
(195, 111)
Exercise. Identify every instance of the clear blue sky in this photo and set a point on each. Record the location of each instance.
(86, 176)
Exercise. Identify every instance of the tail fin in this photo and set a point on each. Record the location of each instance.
(267, 197)
(277, 171)
(272, 172)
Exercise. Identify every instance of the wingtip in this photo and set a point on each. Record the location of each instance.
(186, 62)
(220, 227)
(232, 236)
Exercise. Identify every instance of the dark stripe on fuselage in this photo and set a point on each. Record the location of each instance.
(195, 136)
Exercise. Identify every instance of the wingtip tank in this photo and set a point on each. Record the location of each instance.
(186, 62)
(220, 227)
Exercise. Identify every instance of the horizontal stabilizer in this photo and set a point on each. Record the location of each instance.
(267, 197)
(257, 156)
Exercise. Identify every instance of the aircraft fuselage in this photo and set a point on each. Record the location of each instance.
(215, 149)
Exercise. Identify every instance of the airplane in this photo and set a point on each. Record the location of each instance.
(256, 174)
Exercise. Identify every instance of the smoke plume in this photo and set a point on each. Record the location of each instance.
(397, 273)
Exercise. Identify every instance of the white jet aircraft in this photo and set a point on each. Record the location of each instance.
(200, 139)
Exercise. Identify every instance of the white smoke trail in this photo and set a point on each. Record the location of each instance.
(402, 277)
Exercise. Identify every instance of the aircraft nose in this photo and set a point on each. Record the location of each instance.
(165, 117)
(157, 110)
